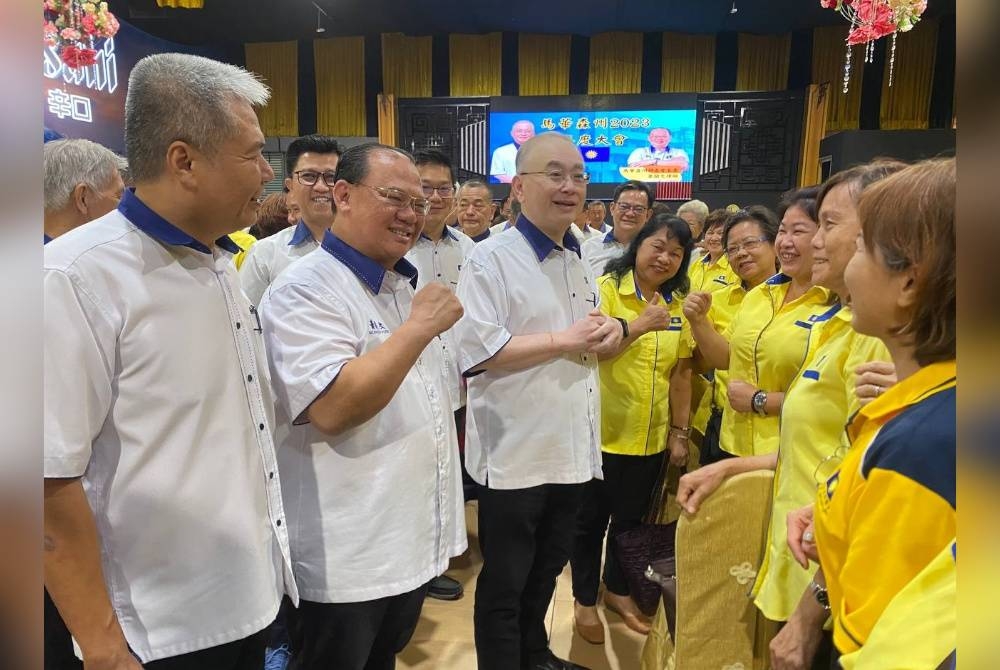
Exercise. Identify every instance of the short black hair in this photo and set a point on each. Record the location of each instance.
(317, 144)
(355, 162)
(804, 198)
(762, 216)
(434, 157)
(634, 185)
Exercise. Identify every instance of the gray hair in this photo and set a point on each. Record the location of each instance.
(473, 183)
(70, 162)
(175, 97)
(696, 207)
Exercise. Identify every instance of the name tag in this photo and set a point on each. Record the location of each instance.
(377, 328)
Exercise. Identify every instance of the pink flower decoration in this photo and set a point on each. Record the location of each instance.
(88, 24)
(70, 34)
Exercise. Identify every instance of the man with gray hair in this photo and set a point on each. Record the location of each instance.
(165, 535)
(694, 212)
(82, 181)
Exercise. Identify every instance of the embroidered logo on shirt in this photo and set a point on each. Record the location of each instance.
(377, 328)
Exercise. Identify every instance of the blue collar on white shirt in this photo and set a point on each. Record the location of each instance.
(481, 236)
(610, 237)
(540, 242)
(368, 271)
(47, 238)
(154, 225)
(301, 234)
(448, 232)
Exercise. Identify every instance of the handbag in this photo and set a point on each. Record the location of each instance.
(639, 548)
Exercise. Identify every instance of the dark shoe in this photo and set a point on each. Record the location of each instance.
(445, 588)
(550, 661)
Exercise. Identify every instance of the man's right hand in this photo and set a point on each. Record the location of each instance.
(795, 645)
(655, 316)
(435, 309)
(585, 334)
(696, 306)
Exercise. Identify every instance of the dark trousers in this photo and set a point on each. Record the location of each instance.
(245, 654)
(354, 636)
(526, 536)
(58, 643)
(624, 498)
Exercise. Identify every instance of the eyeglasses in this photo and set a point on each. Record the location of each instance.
(558, 177)
(626, 208)
(310, 177)
(751, 244)
(442, 191)
(401, 199)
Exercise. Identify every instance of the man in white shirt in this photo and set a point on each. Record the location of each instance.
(659, 152)
(529, 343)
(368, 454)
(310, 163)
(502, 164)
(631, 208)
(165, 535)
(598, 212)
(475, 210)
(439, 254)
(82, 181)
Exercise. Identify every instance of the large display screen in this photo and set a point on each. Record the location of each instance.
(648, 145)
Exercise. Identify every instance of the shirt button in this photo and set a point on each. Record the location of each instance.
(238, 325)
(249, 378)
(261, 426)
(270, 475)
(574, 295)
(278, 522)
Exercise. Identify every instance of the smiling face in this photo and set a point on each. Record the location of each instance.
(630, 212)
(713, 239)
(372, 223)
(794, 244)
(877, 293)
(436, 177)
(658, 258)
(659, 138)
(522, 131)
(545, 200)
(753, 259)
(835, 241)
(315, 202)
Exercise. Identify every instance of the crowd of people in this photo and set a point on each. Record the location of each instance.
(264, 416)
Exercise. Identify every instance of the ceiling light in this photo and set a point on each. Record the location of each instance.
(320, 13)
(733, 10)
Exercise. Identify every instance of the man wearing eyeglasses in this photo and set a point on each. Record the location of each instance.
(631, 207)
(310, 164)
(529, 344)
(368, 453)
(439, 254)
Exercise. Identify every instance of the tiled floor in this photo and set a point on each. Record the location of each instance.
(443, 639)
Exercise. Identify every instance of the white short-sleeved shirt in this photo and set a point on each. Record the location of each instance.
(650, 153)
(500, 227)
(157, 395)
(541, 425)
(502, 162)
(269, 257)
(377, 510)
(600, 249)
(441, 261)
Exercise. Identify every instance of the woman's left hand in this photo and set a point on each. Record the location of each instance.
(678, 451)
(741, 395)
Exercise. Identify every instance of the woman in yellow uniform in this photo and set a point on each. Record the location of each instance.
(758, 262)
(645, 407)
(885, 514)
(711, 272)
(766, 342)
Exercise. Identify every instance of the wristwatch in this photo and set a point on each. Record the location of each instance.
(759, 402)
(820, 594)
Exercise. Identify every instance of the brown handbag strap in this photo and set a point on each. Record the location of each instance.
(659, 490)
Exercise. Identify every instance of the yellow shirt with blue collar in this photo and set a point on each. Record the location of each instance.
(709, 276)
(767, 345)
(884, 516)
(635, 384)
(815, 410)
(725, 303)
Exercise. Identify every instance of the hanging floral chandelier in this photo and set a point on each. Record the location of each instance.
(874, 19)
(72, 26)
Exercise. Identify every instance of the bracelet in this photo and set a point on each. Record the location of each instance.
(680, 433)
(624, 326)
(681, 429)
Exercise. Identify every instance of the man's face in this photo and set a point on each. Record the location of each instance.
(294, 213)
(659, 138)
(552, 197)
(231, 180)
(597, 213)
(630, 212)
(505, 209)
(435, 180)
(522, 131)
(315, 202)
(475, 210)
(383, 227)
(692, 220)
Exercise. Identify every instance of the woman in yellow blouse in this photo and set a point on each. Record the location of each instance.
(766, 342)
(817, 404)
(645, 406)
(711, 272)
(883, 516)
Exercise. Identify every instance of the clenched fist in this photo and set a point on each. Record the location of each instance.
(696, 305)
(435, 309)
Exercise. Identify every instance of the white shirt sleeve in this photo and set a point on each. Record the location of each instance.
(482, 330)
(255, 275)
(79, 345)
(634, 157)
(309, 335)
